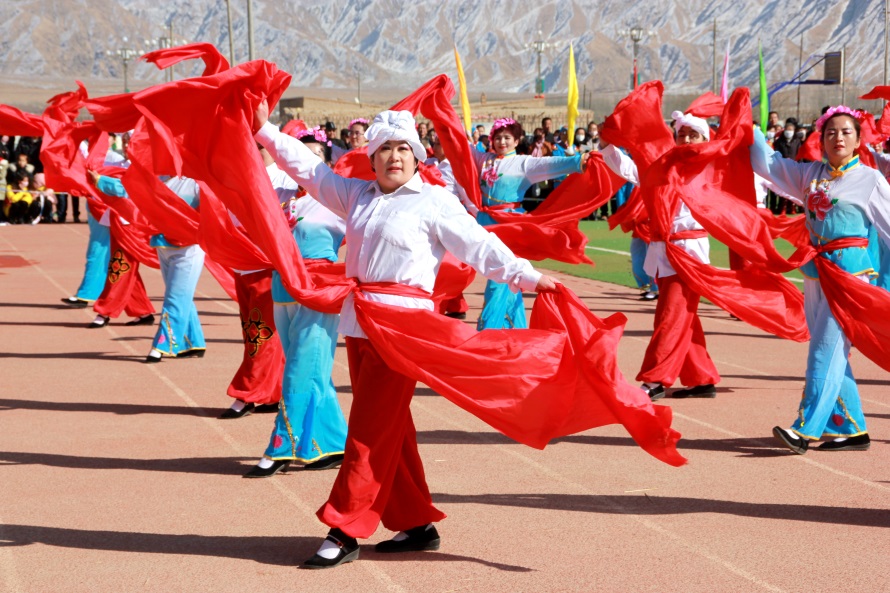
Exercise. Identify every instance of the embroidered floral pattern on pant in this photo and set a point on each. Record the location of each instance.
(256, 332)
(117, 266)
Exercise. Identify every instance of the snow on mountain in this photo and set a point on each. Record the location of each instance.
(394, 44)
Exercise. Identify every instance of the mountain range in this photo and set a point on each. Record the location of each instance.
(389, 44)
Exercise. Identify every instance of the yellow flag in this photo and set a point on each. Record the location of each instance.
(573, 96)
(464, 100)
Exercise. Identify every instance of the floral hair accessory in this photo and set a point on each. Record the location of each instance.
(838, 109)
(316, 133)
(359, 120)
(501, 123)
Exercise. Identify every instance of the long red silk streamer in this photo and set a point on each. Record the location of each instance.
(716, 182)
(706, 105)
(551, 231)
(205, 125)
(881, 92)
(567, 383)
(214, 62)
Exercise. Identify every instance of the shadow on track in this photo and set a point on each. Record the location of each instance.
(273, 550)
(111, 408)
(749, 447)
(225, 466)
(74, 355)
(675, 505)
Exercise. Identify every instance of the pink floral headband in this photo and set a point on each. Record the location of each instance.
(840, 109)
(501, 123)
(359, 120)
(316, 133)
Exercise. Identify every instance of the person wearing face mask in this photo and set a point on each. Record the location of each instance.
(593, 135)
(582, 142)
(788, 143)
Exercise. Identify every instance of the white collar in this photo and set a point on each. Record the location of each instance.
(413, 185)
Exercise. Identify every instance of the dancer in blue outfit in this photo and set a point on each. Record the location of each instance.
(95, 270)
(844, 201)
(310, 428)
(179, 331)
(504, 179)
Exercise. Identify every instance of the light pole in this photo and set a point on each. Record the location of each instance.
(231, 34)
(539, 47)
(165, 42)
(125, 54)
(636, 35)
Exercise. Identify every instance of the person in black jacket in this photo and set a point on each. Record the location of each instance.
(788, 143)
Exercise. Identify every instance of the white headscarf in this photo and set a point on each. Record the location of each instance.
(395, 125)
(696, 123)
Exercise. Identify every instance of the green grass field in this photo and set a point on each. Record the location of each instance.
(615, 268)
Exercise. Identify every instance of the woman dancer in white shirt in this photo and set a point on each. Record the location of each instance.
(397, 229)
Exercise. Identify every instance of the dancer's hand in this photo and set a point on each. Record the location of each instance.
(261, 115)
(547, 284)
(92, 177)
(584, 158)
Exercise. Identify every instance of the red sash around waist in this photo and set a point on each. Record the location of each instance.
(842, 243)
(690, 234)
(393, 288)
(502, 206)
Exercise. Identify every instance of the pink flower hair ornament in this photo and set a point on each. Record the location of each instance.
(360, 120)
(838, 110)
(316, 133)
(498, 124)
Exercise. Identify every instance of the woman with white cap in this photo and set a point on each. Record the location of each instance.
(398, 229)
(677, 349)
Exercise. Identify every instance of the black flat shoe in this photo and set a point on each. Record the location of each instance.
(348, 551)
(654, 393)
(194, 353)
(329, 462)
(144, 320)
(266, 409)
(99, 322)
(419, 539)
(153, 359)
(708, 391)
(795, 443)
(279, 465)
(231, 414)
(858, 443)
(75, 303)
(456, 315)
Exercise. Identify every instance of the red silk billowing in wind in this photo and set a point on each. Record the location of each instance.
(716, 182)
(551, 231)
(706, 105)
(214, 62)
(206, 124)
(556, 378)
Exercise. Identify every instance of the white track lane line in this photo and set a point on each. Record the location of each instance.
(239, 449)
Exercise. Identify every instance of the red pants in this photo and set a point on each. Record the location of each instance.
(453, 305)
(124, 290)
(382, 477)
(258, 379)
(677, 348)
